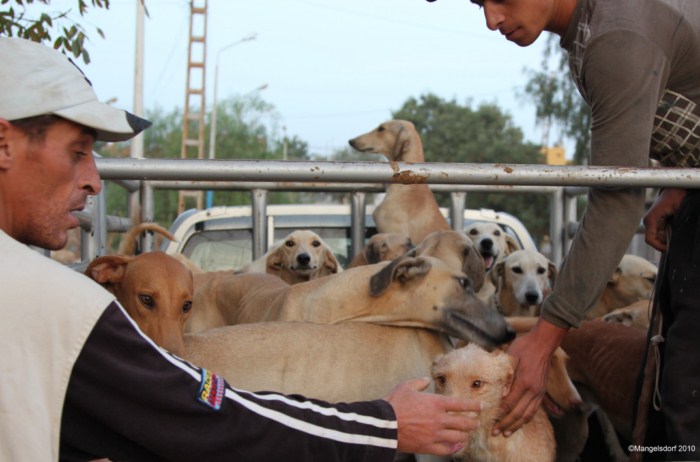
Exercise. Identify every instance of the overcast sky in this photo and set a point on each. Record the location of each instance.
(333, 68)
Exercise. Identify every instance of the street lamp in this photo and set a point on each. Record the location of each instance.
(212, 128)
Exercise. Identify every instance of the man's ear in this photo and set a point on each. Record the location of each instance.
(5, 152)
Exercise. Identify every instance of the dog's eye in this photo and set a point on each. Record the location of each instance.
(316, 244)
(289, 243)
(517, 270)
(473, 232)
(541, 270)
(380, 128)
(497, 233)
(477, 384)
(464, 282)
(440, 381)
(147, 300)
(187, 307)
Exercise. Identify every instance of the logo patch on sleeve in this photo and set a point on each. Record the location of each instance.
(211, 390)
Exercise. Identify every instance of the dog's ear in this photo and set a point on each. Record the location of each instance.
(553, 273)
(473, 266)
(275, 260)
(372, 253)
(615, 278)
(401, 269)
(496, 272)
(109, 269)
(402, 144)
(511, 244)
(330, 264)
(508, 382)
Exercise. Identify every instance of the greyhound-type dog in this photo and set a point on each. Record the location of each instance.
(408, 209)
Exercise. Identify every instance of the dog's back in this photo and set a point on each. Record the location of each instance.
(474, 373)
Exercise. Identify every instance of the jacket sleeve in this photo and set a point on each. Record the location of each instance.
(128, 399)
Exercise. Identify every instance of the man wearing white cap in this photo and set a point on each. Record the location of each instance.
(79, 381)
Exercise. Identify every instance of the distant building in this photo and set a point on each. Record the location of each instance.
(555, 155)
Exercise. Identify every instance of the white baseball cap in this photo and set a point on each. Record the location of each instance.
(39, 80)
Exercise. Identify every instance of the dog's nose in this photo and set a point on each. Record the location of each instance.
(532, 297)
(486, 243)
(303, 258)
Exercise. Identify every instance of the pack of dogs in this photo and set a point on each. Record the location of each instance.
(420, 299)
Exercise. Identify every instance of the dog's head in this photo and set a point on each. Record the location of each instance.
(154, 288)
(527, 275)
(426, 292)
(472, 372)
(457, 250)
(396, 139)
(632, 280)
(386, 246)
(302, 256)
(492, 242)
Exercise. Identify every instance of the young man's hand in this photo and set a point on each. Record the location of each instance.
(533, 352)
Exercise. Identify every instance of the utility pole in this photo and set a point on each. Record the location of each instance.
(137, 142)
(193, 117)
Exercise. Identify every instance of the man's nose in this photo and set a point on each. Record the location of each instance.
(493, 16)
(90, 179)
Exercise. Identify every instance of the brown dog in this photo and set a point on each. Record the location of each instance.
(408, 209)
(474, 373)
(417, 292)
(301, 256)
(154, 288)
(381, 247)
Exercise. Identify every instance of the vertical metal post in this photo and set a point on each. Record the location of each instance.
(458, 200)
(259, 201)
(358, 210)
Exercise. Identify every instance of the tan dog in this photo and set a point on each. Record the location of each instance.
(335, 362)
(351, 361)
(408, 209)
(492, 242)
(418, 292)
(475, 373)
(521, 281)
(636, 315)
(381, 247)
(301, 256)
(633, 280)
(154, 288)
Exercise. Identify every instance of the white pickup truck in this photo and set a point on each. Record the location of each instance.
(221, 238)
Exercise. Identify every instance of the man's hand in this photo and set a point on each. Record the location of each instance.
(430, 423)
(532, 352)
(658, 218)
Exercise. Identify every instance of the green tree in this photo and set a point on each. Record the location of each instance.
(70, 36)
(558, 102)
(452, 132)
